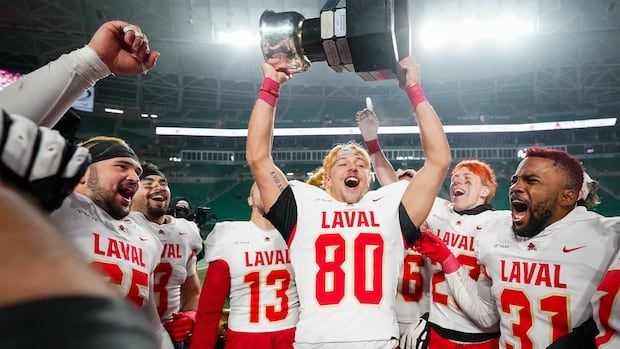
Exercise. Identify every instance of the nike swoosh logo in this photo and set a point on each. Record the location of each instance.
(567, 250)
(377, 199)
(182, 233)
(143, 239)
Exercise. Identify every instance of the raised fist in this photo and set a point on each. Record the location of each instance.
(368, 123)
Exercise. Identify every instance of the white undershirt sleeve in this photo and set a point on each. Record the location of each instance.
(474, 298)
(45, 94)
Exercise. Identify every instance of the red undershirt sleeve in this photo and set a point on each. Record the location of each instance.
(215, 289)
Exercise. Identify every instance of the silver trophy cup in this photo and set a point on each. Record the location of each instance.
(281, 39)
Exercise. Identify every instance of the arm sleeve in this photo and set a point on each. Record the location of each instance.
(215, 289)
(283, 214)
(44, 95)
(409, 230)
(474, 298)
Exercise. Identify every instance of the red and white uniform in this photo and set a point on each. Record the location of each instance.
(347, 259)
(412, 297)
(606, 307)
(122, 250)
(539, 288)
(181, 243)
(256, 273)
(459, 232)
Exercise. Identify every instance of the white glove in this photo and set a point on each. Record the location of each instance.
(416, 335)
(39, 161)
(367, 121)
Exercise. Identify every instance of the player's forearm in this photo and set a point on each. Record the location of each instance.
(260, 134)
(433, 139)
(190, 293)
(47, 93)
(383, 168)
(477, 306)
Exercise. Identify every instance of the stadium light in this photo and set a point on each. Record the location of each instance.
(239, 38)
(114, 110)
(333, 131)
(435, 34)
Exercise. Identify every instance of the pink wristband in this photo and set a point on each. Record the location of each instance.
(269, 91)
(450, 265)
(416, 95)
(373, 146)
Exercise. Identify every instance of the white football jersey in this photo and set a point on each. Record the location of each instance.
(347, 259)
(263, 296)
(181, 243)
(412, 297)
(543, 286)
(606, 307)
(126, 253)
(459, 233)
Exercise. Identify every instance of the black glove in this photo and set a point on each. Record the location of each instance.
(581, 337)
(39, 161)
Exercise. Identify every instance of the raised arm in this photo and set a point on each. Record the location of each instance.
(44, 95)
(474, 298)
(423, 188)
(270, 180)
(368, 123)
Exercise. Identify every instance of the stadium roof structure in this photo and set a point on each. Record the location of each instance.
(567, 67)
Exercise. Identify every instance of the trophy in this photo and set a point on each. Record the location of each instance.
(367, 37)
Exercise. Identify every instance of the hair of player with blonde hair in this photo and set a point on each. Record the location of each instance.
(318, 178)
(482, 170)
(97, 139)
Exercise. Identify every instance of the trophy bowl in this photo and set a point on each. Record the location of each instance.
(281, 39)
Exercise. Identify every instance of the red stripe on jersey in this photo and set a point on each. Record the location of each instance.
(292, 235)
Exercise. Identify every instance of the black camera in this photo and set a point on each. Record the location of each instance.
(180, 207)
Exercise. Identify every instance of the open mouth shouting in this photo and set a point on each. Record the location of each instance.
(352, 182)
(159, 197)
(126, 193)
(456, 192)
(520, 210)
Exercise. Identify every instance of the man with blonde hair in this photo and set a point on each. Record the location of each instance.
(346, 243)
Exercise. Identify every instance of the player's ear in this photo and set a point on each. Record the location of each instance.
(568, 197)
(484, 193)
(250, 201)
(84, 178)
